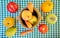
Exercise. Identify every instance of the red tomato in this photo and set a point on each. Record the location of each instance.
(12, 7)
(43, 28)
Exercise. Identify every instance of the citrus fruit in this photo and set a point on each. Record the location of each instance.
(47, 6)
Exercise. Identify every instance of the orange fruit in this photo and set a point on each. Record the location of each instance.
(47, 6)
(9, 22)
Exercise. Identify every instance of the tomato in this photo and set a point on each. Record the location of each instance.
(12, 7)
(43, 28)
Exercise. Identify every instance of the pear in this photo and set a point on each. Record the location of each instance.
(51, 18)
(9, 22)
(33, 20)
(10, 31)
(30, 7)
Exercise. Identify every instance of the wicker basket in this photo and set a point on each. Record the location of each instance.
(39, 18)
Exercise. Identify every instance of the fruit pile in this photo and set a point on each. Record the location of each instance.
(29, 18)
(9, 22)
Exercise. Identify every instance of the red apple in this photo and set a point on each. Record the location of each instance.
(43, 28)
(12, 7)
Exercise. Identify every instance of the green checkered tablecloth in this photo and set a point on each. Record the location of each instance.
(54, 29)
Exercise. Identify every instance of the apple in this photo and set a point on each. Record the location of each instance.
(12, 7)
(43, 28)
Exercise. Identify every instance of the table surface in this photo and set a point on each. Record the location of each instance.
(54, 29)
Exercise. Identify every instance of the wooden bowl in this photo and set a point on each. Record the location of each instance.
(39, 18)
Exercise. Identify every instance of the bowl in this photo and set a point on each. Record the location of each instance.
(36, 12)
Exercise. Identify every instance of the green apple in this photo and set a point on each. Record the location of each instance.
(33, 20)
(10, 31)
(51, 18)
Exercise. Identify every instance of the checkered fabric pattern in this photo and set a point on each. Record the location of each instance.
(54, 29)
